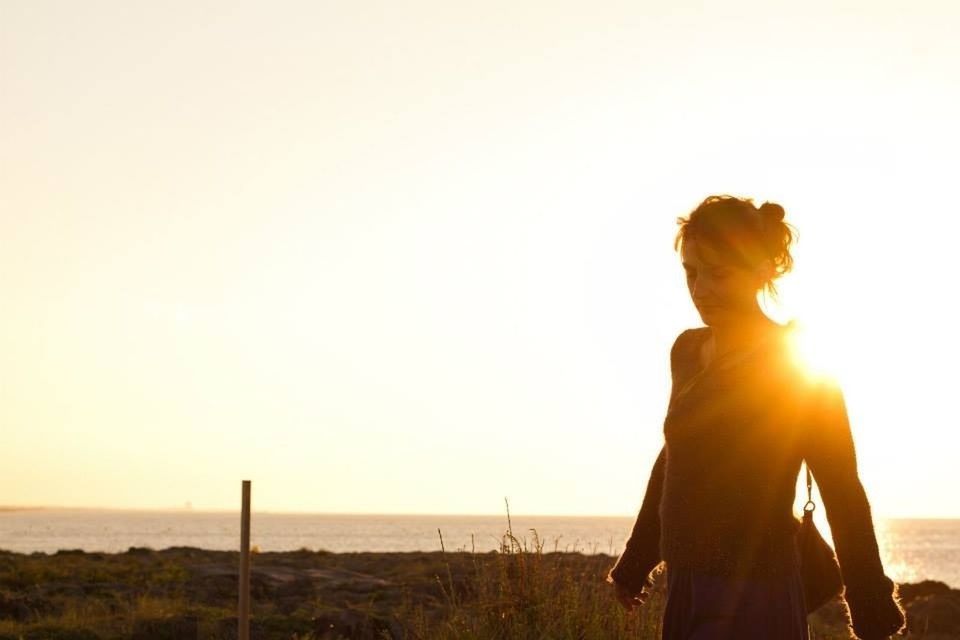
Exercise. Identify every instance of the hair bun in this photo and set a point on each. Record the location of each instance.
(771, 210)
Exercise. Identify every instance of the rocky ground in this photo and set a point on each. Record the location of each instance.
(187, 593)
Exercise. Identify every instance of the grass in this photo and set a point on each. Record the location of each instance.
(519, 592)
(522, 592)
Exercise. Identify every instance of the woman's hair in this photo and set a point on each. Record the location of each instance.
(742, 233)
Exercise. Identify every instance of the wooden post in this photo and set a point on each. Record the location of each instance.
(243, 615)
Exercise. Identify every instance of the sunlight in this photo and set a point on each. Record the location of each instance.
(820, 352)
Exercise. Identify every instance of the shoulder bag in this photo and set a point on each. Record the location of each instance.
(819, 569)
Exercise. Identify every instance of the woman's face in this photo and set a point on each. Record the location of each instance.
(722, 292)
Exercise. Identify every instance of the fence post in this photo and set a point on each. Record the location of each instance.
(243, 615)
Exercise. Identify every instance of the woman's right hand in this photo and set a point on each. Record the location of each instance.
(627, 598)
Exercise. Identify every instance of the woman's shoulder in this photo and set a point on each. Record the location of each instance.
(689, 337)
(687, 345)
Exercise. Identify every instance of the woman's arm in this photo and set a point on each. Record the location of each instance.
(642, 553)
(872, 600)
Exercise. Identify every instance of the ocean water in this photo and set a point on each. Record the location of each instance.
(911, 549)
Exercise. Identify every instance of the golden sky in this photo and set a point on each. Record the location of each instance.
(415, 257)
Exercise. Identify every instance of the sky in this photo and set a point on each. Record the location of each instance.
(417, 257)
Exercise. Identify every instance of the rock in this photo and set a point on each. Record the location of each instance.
(912, 591)
(347, 580)
(140, 551)
(938, 613)
(217, 585)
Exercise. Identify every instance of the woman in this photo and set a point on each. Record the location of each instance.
(718, 509)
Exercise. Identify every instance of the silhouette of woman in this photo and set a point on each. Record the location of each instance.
(742, 416)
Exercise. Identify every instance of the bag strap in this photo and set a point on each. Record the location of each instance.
(810, 503)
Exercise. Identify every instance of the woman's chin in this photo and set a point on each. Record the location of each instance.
(716, 319)
(711, 317)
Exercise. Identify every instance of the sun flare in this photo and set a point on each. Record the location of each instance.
(819, 351)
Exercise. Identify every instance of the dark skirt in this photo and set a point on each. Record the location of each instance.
(708, 607)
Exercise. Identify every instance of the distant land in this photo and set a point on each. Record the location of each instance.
(189, 507)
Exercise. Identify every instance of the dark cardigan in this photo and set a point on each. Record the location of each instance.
(720, 495)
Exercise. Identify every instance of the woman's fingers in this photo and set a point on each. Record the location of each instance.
(627, 602)
(627, 598)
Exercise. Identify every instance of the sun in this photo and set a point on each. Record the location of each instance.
(821, 352)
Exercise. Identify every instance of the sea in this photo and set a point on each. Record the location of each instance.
(911, 549)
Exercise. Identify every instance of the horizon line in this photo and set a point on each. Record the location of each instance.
(222, 510)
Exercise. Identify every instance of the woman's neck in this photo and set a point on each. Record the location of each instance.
(741, 333)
